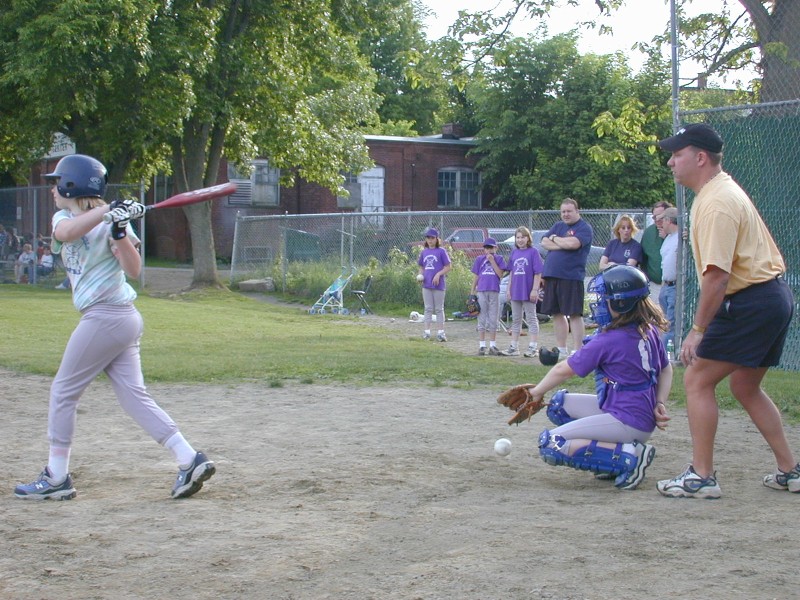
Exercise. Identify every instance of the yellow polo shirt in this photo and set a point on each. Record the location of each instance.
(728, 232)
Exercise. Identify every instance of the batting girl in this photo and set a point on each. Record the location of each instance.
(434, 265)
(607, 433)
(525, 279)
(488, 269)
(97, 257)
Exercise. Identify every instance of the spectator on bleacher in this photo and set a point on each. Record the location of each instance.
(3, 243)
(12, 244)
(23, 266)
(47, 262)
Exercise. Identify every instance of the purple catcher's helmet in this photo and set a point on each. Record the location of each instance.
(78, 176)
(621, 287)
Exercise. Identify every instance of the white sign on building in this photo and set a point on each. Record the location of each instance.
(62, 146)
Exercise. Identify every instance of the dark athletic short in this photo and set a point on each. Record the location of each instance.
(751, 325)
(562, 297)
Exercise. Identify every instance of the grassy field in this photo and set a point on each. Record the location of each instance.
(220, 336)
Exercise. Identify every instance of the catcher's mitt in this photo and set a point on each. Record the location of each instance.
(519, 399)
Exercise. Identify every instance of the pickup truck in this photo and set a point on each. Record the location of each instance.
(469, 240)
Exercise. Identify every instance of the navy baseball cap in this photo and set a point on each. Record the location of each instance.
(698, 135)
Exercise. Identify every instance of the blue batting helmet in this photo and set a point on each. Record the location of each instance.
(78, 176)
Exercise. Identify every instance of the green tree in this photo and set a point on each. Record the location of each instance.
(536, 113)
(409, 79)
(174, 86)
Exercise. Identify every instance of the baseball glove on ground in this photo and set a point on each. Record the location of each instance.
(519, 399)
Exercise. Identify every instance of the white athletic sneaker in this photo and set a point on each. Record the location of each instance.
(781, 480)
(530, 352)
(690, 485)
(512, 351)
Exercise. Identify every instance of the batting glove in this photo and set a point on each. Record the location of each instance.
(135, 209)
(120, 219)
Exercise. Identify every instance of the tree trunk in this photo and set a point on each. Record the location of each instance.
(190, 167)
(204, 255)
(780, 48)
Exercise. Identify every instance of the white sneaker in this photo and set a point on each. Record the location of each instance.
(512, 351)
(690, 485)
(530, 352)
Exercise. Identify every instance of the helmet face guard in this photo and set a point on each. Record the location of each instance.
(599, 307)
(619, 288)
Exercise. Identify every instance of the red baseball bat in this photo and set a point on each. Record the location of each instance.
(192, 197)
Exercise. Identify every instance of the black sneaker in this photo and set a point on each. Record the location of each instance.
(191, 480)
(45, 488)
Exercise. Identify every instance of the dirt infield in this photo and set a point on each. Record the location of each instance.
(337, 492)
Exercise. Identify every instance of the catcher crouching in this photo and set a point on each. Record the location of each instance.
(606, 433)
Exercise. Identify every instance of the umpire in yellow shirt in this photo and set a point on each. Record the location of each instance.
(742, 318)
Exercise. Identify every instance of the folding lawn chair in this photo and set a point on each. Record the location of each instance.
(331, 299)
(361, 295)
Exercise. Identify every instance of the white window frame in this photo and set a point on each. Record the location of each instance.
(463, 189)
(262, 188)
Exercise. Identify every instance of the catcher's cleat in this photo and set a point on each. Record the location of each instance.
(690, 485)
(645, 453)
(45, 488)
(782, 480)
(190, 480)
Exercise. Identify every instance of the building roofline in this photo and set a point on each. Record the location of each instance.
(427, 139)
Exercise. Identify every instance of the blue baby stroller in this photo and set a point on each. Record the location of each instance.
(332, 298)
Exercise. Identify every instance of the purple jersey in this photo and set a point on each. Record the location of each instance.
(433, 260)
(488, 281)
(618, 252)
(627, 359)
(523, 264)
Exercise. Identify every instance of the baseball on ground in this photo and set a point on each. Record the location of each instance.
(503, 447)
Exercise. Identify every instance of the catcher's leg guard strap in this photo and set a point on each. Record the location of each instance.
(555, 410)
(592, 457)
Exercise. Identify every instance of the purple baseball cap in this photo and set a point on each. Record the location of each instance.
(490, 242)
(432, 232)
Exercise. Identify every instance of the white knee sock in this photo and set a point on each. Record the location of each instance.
(58, 463)
(181, 449)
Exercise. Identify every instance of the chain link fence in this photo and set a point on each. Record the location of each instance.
(286, 247)
(351, 240)
(27, 212)
(762, 153)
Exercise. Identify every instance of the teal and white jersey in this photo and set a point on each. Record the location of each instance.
(94, 272)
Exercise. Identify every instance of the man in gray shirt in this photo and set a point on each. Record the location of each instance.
(669, 270)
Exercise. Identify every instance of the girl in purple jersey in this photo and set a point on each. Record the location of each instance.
(434, 265)
(525, 267)
(607, 432)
